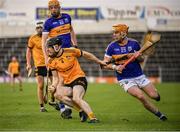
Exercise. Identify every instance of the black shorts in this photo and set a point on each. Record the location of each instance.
(15, 75)
(42, 71)
(79, 81)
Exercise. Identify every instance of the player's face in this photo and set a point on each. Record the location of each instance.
(118, 36)
(53, 51)
(14, 59)
(55, 10)
(39, 30)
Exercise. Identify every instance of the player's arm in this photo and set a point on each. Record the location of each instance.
(73, 37)
(28, 58)
(140, 57)
(19, 69)
(91, 57)
(55, 81)
(9, 68)
(109, 66)
(44, 39)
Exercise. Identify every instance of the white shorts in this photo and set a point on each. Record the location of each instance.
(140, 81)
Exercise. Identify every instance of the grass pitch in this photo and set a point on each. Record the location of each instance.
(117, 111)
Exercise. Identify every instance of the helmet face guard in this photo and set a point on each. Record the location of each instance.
(53, 46)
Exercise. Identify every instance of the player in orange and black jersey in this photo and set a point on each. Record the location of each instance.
(69, 80)
(14, 70)
(58, 25)
(34, 49)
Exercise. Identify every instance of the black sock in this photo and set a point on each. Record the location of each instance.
(52, 99)
(41, 105)
(158, 98)
(158, 114)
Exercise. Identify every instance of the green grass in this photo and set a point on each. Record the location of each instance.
(115, 109)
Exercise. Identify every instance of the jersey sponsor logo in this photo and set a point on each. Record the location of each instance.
(54, 23)
(68, 57)
(116, 49)
(63, 29)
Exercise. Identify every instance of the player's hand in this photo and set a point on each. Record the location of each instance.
(130, 55)
(119, 68)
(11, 75)
(137, 54)
(29, 69)
(75, 46)
(28, 66)
(103, 64)
(51, 88)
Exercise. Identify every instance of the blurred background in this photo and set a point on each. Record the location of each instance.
(92, 21)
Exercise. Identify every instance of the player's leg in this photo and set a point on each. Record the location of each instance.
(52, 95)
(151, 91)
(40, 92)
(64, 94)
(78, 94)
(52, 101)
(58, 105)
(20, 83)
(11, 80)
(138, 93)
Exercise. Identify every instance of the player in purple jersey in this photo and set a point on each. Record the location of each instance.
(131, 79)
(58, 25)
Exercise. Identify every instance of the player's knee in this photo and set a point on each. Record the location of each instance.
(141, 97)
(58, 96)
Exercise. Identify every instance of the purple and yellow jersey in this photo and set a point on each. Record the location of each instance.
(59, 27)
(133, 69)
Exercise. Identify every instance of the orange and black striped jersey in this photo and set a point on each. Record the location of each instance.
(35, 44)
(13, 67)
(67, 65)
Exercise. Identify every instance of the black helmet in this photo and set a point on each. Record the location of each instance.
(53, 41)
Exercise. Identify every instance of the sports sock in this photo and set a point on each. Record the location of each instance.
(158, 114)
(41, 105)
(62, 107)
(158, 98)
(91, 116)
(52, 99)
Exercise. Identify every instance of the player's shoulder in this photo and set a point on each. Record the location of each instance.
(70, 50)
(33, 36)
(10, 63)
(48, 20)
(65, 15)
(50, 60)
(132, 40)
(112, 43)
